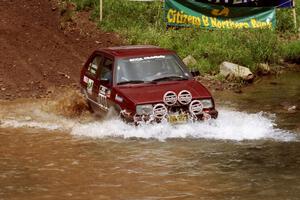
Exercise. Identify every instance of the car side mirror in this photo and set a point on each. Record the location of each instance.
(195, 72)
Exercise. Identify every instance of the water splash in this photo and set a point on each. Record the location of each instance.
(231, 125)
(67, 103)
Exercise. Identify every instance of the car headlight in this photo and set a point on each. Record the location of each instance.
(207, 103)
(146, 109)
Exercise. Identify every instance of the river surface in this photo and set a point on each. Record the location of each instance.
(252, 151)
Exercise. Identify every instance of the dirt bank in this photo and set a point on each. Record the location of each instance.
(39, 51)
(42, 47)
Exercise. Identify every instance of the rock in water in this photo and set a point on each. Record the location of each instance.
(264, 68)
(228, 69)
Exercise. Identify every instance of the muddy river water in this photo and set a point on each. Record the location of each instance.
(252, 151)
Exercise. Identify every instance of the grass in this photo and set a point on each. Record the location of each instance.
(291, 51)
(142, 23)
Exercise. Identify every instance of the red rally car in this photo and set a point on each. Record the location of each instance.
(144, 84)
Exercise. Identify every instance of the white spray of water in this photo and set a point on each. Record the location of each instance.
(231, 125)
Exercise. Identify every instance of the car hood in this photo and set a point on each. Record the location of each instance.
(153, 93)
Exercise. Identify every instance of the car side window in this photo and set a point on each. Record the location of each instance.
(106, 71)
(93, 66)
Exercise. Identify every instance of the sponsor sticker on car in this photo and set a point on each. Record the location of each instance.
(90, 84)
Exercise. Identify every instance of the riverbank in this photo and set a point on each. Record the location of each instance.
(142, 23)
(44, 45)
(38, 53)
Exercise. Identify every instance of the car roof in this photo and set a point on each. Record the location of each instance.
(135, 50)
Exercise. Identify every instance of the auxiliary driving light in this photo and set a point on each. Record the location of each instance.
(184, 97)
(170, 98)
(196, 107)
(160, 111)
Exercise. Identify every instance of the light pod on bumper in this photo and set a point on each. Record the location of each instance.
(185, 97)
(170, 98)
(160, 111)
(196, 107)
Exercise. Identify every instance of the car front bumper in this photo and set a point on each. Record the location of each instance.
(206, 115)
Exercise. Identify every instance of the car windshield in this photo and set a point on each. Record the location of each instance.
(150, 69)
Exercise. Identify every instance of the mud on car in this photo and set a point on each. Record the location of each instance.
(144, 84)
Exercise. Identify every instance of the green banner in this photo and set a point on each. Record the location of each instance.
(189, 13)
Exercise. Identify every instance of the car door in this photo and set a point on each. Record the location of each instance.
(103, 84)
(90, 75)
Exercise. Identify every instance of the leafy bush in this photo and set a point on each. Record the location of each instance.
(291, 51)
(285, 22)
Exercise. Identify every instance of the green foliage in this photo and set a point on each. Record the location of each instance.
(66, 12)
(285, 22)
(85, 4)
(142, 23)
(291, 51)
(285, 19)
(123, 14)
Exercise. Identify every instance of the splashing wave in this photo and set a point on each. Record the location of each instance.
(231, 125)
